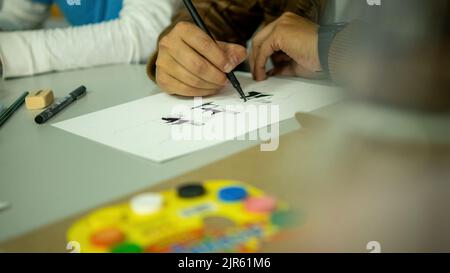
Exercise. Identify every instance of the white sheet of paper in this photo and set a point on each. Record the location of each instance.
(137, 127)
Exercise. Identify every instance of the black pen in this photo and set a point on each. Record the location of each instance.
(59, 106)
(199, 22)
(6, 114)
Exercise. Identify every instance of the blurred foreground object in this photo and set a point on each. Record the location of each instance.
(377, 168)
(401, 55)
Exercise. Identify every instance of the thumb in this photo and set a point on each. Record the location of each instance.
(236, 53)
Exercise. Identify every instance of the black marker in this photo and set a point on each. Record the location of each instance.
(199, 22)
(59, 106)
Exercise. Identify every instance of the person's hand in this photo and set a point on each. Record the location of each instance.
(190, 63)
(292, 43)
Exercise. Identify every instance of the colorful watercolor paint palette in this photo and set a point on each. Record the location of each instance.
(213, 216)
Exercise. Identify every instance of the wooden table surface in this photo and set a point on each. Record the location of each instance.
(350, 189)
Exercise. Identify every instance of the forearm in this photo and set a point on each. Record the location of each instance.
(129, 39)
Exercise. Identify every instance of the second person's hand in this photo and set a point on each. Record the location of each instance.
(291, 42)
(190, 63)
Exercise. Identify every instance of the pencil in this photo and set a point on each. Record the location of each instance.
(12, 109)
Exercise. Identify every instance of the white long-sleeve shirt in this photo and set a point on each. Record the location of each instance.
(22, 14)
(129, 39)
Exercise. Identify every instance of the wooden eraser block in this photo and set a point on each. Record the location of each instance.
(39, 99)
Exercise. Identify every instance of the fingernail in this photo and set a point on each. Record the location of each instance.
(228, 68)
